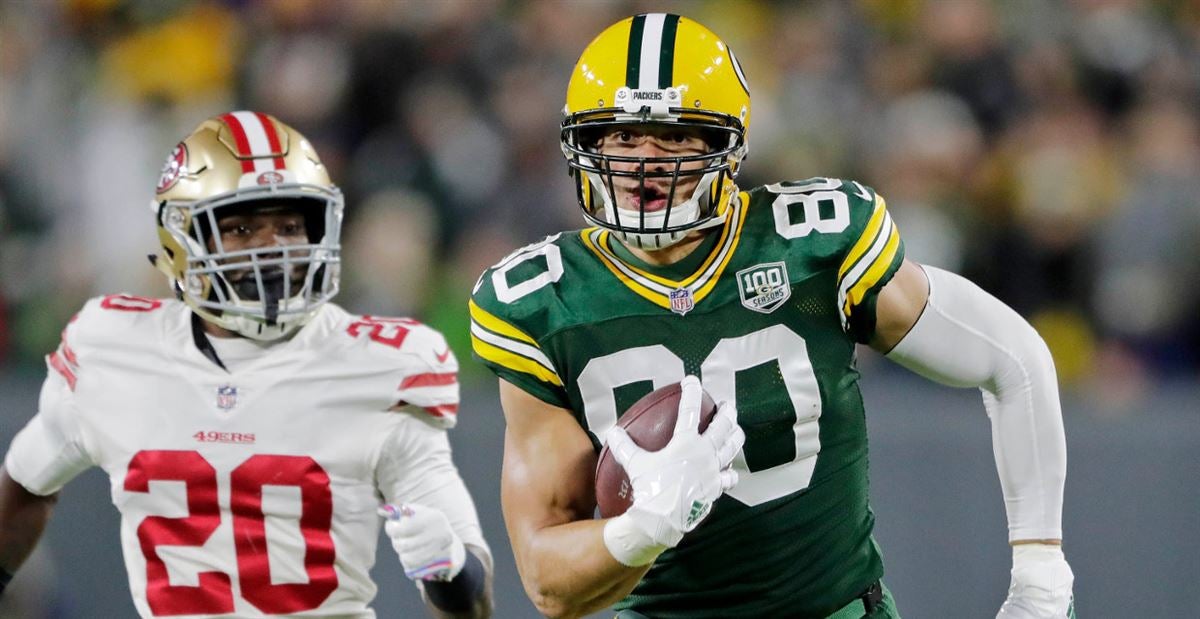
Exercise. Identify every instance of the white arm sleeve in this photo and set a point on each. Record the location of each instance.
(968, 338)
(47, 453)
(416, 467)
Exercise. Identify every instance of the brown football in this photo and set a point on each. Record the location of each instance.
(650, 422)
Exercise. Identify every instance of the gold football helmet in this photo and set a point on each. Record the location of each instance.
(663, 69)
(230, 163)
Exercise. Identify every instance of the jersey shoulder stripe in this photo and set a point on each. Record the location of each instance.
(512, 309)
(836, 224)
(499, 342)
(408, 362)
(872, 256)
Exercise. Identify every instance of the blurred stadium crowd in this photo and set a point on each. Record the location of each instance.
(1048, 149)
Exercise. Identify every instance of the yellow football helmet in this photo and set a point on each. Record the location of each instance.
(227, 164)
(662, 69)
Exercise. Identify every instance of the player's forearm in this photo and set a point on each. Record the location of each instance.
(968, 338)
(23, 517)
(568, 571)
(468, 595)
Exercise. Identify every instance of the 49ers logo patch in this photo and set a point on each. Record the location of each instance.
(764, 287)
(270, 177)
(173, 168)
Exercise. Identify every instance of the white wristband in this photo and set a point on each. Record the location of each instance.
(1036, 553)
(628, 544)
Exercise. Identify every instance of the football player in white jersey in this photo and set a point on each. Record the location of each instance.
(255, 434)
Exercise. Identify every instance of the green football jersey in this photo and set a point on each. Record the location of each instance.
(766, 313)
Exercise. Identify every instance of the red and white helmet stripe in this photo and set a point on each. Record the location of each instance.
(256, 138)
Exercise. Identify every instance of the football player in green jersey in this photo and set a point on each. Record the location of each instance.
(760, 296)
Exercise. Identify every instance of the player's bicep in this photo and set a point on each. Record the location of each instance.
(549, 465)
(899, 306)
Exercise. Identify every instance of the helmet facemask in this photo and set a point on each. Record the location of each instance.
(263, 293)
(596, 175)
(654, 72)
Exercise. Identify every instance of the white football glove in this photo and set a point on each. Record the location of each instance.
(1041, 584)
(674, 488)
(429, 548)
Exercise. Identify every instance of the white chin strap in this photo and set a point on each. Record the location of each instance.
(682, 214)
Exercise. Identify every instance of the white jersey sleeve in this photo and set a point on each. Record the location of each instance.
(49, 451)
(430, 384)
(415, 466)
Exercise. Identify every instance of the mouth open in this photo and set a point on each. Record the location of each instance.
(650, 199)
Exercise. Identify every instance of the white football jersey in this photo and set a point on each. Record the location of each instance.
(250, 493)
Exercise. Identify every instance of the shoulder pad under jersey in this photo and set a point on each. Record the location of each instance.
(847, 224)
(420, 363)
(510, 309)
(116, 324)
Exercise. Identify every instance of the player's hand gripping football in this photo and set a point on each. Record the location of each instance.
(674, 488)
(1041, 584)
(429, 548)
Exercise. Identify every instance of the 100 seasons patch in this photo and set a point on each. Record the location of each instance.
(764, 287)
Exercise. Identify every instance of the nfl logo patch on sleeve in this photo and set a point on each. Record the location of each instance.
(764, 287)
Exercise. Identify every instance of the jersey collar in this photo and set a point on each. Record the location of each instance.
(658, 287)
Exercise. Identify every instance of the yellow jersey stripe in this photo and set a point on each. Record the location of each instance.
(874, 272)
(527, 351)
(726, 230)
(728, 257)
(866, 239)
(496, 325)
(650, 295)
(656, 289)
(512, 361)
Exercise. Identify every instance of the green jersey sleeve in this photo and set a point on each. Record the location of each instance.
(508, 308)
(873, 252)
(840, 224)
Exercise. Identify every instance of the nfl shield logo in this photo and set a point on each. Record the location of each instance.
(764, 287)
(226, 397)
(682, 301)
